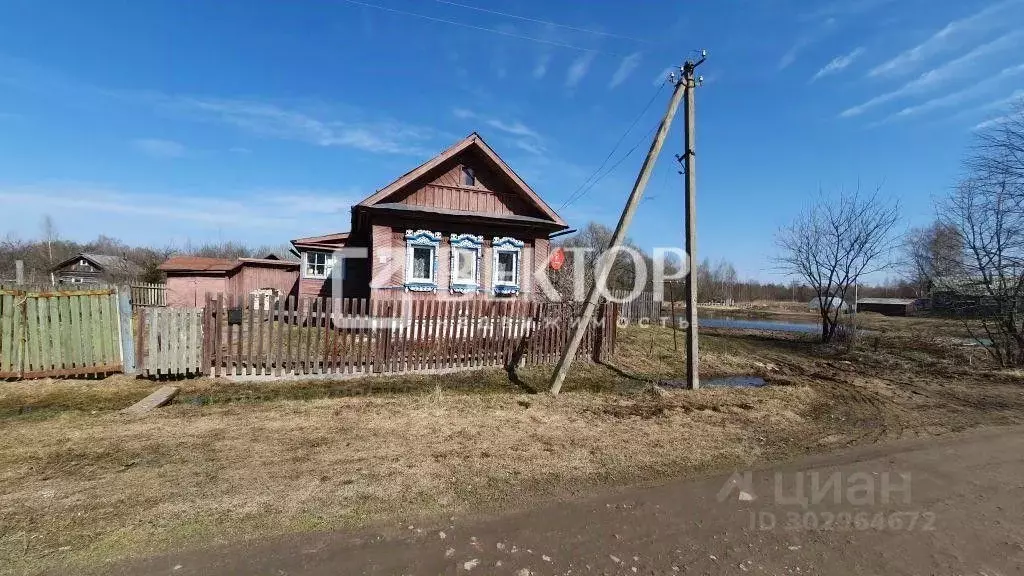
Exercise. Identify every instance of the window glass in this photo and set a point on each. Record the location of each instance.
(468, 177)
(422, 263)
(465, 265)
(318, 264)
(506, 267)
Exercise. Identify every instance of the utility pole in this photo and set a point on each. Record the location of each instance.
(691, 82)
(604, 264)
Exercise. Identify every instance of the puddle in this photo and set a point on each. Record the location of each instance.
(723, 382)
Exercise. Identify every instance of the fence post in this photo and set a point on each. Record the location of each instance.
(124, 313)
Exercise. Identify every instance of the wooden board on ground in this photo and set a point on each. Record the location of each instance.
(163, 395)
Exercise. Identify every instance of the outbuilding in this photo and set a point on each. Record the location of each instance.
(888, 306)
(190, 278)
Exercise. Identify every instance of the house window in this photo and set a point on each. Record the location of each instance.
(465, 262)
(422, 264)
(507, 253)
(317, 265)
(468, 176)
(505, 272)
(465, 266)
(421, 260)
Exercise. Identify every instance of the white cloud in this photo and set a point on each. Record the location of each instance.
(936, 76)
(463, 113)
(804, 41)
(531, 147)
(942, 41)
(838, 63)
(273, 121)
(991, 123)
(973, 91)
(158, 148)
(626, 67)
(260, 216)
(516, 128)
(579, 69)
(541, 68)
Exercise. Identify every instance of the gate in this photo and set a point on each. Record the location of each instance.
(59, 333)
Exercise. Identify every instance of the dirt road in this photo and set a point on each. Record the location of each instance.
(953, 505)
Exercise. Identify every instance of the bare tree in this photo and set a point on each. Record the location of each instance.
(932, 252)
(835, 242)
(49, 231)
(987, 212)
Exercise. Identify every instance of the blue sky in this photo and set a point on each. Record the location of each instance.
(163, 122)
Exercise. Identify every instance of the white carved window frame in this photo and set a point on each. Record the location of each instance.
(421, 239)
(508, 245)
(467, 242)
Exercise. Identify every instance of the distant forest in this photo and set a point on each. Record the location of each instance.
(718, 282)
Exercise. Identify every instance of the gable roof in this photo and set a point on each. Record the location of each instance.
(472, 141)
(105, 262)
(325, 241)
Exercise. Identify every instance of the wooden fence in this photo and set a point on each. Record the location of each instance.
(169, 341)
(145, 294)
(59, 333)
(642, 306)
(257, 336)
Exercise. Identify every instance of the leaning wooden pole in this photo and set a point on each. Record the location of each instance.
(604, 263)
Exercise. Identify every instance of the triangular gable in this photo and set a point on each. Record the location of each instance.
(472, 141)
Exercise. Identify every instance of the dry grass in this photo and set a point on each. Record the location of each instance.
(82, 485)
(82, 488)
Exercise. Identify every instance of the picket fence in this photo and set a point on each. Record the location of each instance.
(59, 333)
(254, 335)
(169, 341)
(145, 294)
(640, 307)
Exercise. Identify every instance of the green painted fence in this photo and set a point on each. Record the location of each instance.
(59, 333)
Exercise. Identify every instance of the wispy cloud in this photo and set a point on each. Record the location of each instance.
(844, 8)
(515, 128)
(974, 91)
(942, 41)
(993, 122)
(274, 121)
(626, 67)
(838, 63)
(262, 208)
(936, 76)
(802, 42)
(541, 67)
(158, 148)
(578, 69)
(524, 137)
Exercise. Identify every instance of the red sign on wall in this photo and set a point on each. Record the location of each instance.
(557, 259)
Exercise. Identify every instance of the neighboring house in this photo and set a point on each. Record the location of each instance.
(190, 278)
(461, 223)
(94, 269)
(888, 306)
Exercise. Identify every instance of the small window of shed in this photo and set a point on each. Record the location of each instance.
(468, 176)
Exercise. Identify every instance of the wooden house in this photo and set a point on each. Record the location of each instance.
(87, 268)
(190, 278)
(461, 223)
(888, 306)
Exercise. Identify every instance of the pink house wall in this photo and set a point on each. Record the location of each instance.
(189, 291)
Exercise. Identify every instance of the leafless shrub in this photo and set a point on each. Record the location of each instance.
(835, 242)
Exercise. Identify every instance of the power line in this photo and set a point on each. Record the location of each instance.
(612, 168)
(572, 196)
(539, 21)
(480, 28)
